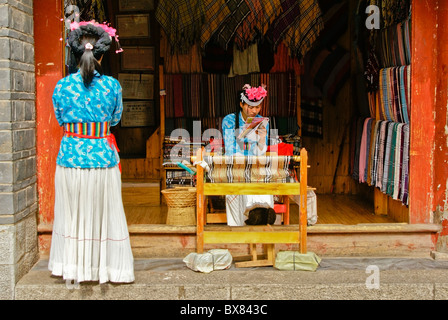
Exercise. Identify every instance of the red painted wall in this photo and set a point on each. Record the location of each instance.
(48, 31)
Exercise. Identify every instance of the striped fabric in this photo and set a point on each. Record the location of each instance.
(387, 156)
(394, 94)
(200, 96)
(93, 129)
(394, 41)
(249, 169)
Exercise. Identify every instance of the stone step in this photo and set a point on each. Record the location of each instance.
(335, 279)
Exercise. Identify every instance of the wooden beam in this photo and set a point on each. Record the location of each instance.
(251, 237)
(213, 189)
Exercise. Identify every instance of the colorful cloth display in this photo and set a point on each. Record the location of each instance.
(383, 157)
(214, 95)
(394, 94)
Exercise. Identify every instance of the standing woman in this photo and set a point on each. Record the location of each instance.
(90, 240)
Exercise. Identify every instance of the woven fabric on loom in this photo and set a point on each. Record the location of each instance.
(238, 169)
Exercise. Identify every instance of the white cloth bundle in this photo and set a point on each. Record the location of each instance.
(215, 259)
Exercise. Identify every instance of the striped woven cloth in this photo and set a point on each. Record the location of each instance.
(247, 169)
(93, 129)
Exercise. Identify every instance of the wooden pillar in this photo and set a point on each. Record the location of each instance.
(200, 204)
(440, 116)
(49, 62)
(428, 146)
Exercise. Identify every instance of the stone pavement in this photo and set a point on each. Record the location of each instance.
(335, 279)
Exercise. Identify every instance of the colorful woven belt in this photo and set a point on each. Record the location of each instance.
(91, 129)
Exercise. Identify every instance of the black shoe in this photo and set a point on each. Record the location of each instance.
(261, 216)
(271, 215)
(257, 217)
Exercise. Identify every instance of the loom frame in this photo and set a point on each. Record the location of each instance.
(252, 235)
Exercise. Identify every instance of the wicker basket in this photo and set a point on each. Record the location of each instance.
(181, 202)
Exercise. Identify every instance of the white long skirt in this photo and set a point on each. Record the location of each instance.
(238, 207)
(90, 240)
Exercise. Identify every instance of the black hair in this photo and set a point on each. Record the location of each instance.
(88, 58)
(238, 98)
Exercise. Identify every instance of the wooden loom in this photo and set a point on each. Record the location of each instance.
(252, 235)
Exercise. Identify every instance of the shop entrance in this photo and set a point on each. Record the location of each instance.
(325, 119)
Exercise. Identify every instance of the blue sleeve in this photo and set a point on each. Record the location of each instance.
(228, 128)
(116, 116)
(57, 103)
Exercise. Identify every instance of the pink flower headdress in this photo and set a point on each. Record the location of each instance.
(106, 27)
(253, 96)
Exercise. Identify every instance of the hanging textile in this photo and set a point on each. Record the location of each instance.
(89, 9)
(312, 118)
(290, 12)
(176, 62)
(255, 25)
(182, 22)
(216, 12)
(250, 27)
(382, 156)
(244, 62)
(394, 93)
(215, 95)
(239, 10)
(302, 34)
(283, 62)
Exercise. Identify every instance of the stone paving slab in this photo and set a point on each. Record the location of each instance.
(335, 279)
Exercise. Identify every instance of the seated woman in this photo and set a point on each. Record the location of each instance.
(247, 209)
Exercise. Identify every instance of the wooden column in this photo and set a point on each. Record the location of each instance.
(422, 127)
(49, 60)
(440, 115)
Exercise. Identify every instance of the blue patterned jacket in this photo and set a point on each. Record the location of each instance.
(74, 103)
